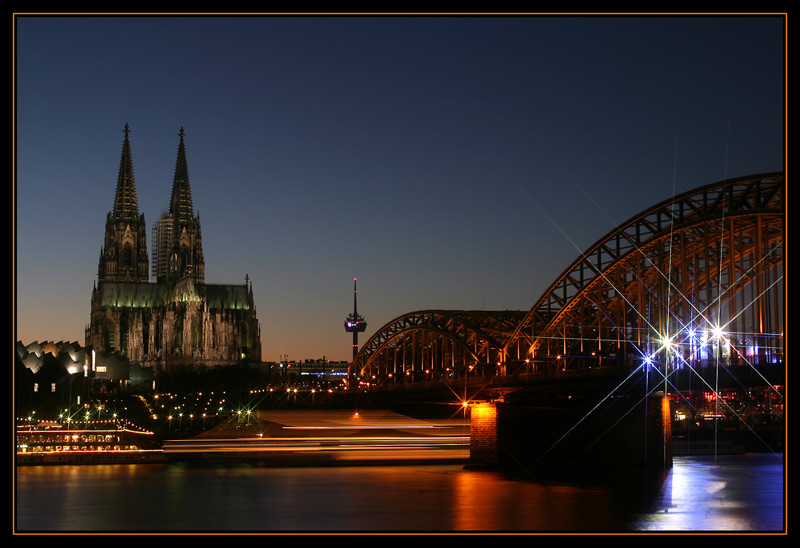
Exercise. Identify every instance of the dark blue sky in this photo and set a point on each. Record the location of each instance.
(447, 162)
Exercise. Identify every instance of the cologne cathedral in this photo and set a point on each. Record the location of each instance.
(178, 319)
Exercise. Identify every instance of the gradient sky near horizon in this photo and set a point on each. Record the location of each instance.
(446, 162)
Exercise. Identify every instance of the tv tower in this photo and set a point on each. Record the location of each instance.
(354, 323)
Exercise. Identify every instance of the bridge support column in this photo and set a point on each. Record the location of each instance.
(483, 435)
(661, 416)
(616, 433)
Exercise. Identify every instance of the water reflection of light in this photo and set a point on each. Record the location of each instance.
(488, 501)
(696, 497)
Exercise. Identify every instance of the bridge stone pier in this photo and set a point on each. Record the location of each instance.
(618, 432)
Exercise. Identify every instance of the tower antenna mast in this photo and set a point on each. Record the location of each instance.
(355, 323)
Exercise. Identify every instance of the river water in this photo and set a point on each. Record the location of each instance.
(731, 493)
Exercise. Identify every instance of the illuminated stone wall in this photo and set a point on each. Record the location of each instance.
(171, 329)
(483, 435)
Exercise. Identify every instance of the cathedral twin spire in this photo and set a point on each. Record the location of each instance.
(186, 258)
(125, 203)
(124, 256)
(180, 205)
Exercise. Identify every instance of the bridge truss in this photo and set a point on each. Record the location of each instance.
(694, 279)
(430, 345)
(700, 274)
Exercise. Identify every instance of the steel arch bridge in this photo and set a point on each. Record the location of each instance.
(429, 345)
(693, 279)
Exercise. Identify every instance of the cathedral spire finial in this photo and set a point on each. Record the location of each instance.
(126, 206)
(181, 202)
(186, 246)
(123, 256)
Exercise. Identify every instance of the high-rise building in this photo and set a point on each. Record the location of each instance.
(177, 320)
(162, 245)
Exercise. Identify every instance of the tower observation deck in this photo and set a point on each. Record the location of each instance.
(355, 323)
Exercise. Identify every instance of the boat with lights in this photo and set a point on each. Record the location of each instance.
(120, 443)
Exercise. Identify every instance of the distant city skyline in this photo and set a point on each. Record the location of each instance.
(445, 162)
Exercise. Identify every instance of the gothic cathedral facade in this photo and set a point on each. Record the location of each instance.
(178, 319)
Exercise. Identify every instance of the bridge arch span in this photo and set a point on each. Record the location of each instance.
(435, 344)
(696, 277)
(706, 261)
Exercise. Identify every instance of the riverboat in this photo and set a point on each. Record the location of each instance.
(117, 444)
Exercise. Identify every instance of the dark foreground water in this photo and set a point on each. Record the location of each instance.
(738, 493)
